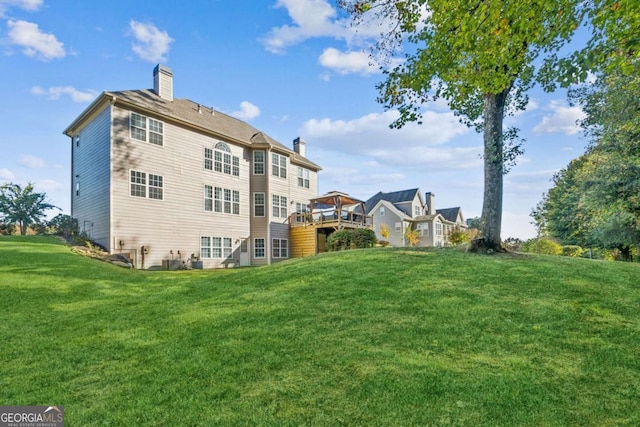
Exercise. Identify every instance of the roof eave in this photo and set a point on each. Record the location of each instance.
(95, 106)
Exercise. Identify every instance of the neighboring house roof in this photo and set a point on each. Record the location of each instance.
(393, 208)
(450, 214)
(192, 114)
(393, 197)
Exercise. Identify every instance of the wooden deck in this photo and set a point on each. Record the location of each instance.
(308, 232)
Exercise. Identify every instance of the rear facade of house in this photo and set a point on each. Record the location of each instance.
(170, 182)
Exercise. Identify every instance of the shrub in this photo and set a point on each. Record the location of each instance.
(6, 229)
(543, 245)
(412, 237)
(459, 235)
(351, 239)
(339, 240)
(64, 225)
(572, 250)
(363, 238)
(384, 231)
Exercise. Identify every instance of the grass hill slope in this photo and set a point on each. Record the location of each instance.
(369, 337)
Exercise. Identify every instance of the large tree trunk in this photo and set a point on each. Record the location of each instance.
(491, 220)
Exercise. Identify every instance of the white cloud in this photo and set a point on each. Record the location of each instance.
(56, 92)
(348, 62)
(35, 42)
(311, 18)
(563, 119)
(29, 5)
(247, 111)
(151, 43)
(6, 175)
(370, 132)
(33, 162)
(412, 146)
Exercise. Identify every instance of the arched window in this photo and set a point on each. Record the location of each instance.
(223, 147)
(220, 160)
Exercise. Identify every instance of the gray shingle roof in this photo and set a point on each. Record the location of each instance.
(393, 197)
(200, 116)
(450, 214)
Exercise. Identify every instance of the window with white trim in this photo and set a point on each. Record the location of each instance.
(205, 247)
(214, 247)
(398, 226)
(278, 165)
(208, 159)
(146, 129)
(423, 228)
(222, 200)
(220, 159)
(303, 177)
(258, 248)
(208, 198)
(381, 210)
(417, 211)
(280, 248)
(279, 206)
(146, 186)
(258, 162)
(155, 187)
(258, 204)
(438, 229)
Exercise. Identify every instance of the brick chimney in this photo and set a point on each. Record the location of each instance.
(299, 146)
(163, 82)
(430, 200)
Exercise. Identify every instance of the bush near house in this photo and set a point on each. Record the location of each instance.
(458, 236)
(411, 237)
(351, 239)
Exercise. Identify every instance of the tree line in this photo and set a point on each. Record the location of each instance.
(595, 200)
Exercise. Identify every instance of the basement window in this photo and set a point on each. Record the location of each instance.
(280, 248)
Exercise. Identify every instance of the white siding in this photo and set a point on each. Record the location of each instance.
(177, 222)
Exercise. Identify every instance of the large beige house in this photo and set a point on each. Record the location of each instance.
(398, 210)
(168, 181)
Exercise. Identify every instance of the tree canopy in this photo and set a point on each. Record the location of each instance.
(596, 198)
(479, 56)
(22, 206)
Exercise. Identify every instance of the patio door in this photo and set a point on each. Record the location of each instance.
(245, 259)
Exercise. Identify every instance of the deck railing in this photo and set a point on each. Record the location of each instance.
(328, 219)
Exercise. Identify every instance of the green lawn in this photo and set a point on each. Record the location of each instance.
(375, 337)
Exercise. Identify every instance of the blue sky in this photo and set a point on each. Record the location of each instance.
(288, 67)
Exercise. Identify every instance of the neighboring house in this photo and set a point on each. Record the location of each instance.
(401, 209)
(160, 178)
